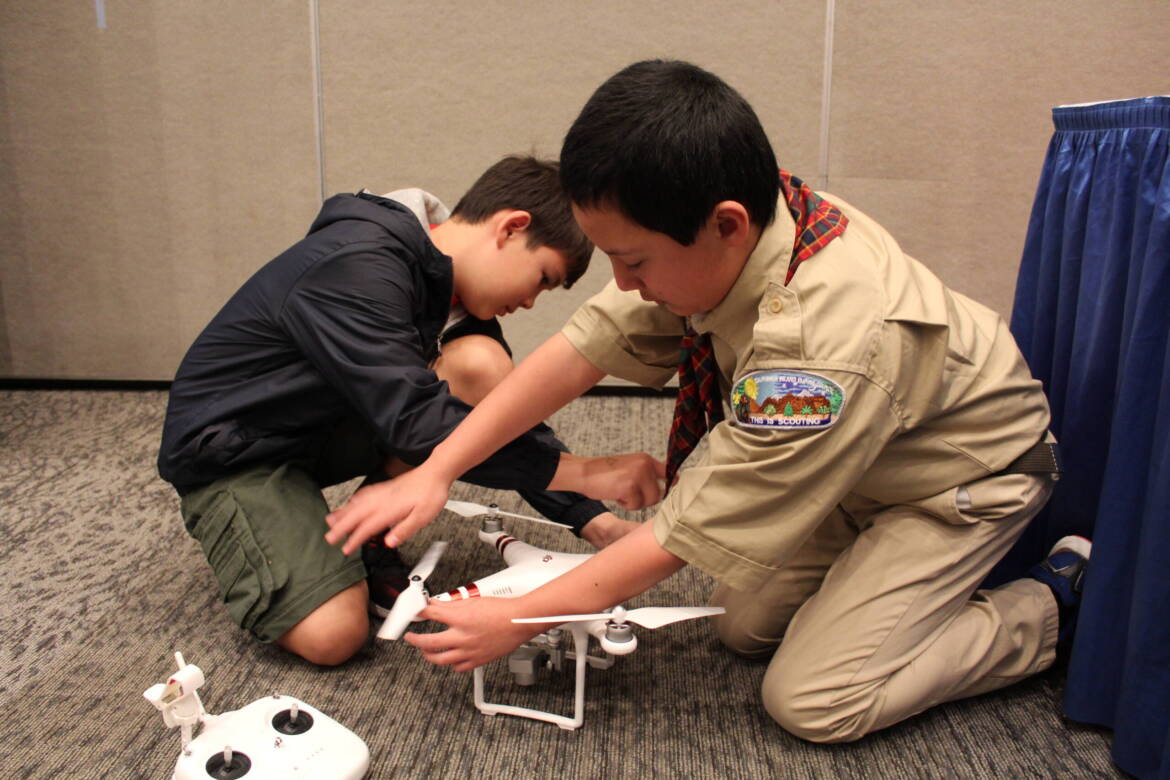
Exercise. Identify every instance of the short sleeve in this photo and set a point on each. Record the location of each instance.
(627, 337)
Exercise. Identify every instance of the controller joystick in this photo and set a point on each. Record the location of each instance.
(228, 765)
(292, 721)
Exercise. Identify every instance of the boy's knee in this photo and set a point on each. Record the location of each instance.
(473, 365)
(741, 628)
(330, 649)
(334, 632)
(739, 641)
(811, 712)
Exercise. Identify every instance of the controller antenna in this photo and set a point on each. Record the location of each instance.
(178, 698)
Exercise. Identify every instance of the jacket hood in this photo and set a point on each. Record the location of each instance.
(400, 222)
(387, 213)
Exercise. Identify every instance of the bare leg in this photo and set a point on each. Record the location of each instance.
(334, 631)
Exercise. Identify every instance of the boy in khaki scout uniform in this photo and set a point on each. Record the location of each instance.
(876, 442)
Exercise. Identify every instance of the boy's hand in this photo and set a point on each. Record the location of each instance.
(481, 630)
(605, 529)
(478, 632)
(634, 481)
(402, 505)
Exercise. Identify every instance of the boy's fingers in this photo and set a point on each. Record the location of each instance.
(433, 646)
(358, 529)
(425, 642)
(337, 516)
(642, 492)
(447, 657)
(404, 529)
(439, 656)
(343, 519)
(437, 648)
(371, 526)
(339, 527)
(354, 541)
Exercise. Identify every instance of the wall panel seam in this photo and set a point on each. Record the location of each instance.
(826, 95)
(318, 96)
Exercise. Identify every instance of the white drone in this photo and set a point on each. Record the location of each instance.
(528, 568)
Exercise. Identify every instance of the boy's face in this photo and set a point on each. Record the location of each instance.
(684, 280)
(509, 276)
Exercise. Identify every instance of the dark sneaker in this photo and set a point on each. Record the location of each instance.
(1063, 571)
(386, 575)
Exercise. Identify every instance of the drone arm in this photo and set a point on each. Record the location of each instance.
(613, 575)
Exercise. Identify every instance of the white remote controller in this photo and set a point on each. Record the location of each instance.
(275, 737)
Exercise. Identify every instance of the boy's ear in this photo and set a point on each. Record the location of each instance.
(512, 221)
(732, 222)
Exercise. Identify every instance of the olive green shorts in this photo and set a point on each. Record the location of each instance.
(263, 532)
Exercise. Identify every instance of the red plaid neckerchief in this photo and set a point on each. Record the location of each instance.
(817, 221)
(699, 406)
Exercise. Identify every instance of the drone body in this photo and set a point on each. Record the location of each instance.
(528, 568)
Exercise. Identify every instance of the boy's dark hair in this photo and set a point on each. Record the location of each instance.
(526, 183)
(663, 142)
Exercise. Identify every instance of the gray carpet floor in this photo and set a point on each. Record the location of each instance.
(101, 585)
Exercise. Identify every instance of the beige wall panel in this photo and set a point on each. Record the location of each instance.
(150, 167)
(957, 248)
(430, 94)
(941, 115)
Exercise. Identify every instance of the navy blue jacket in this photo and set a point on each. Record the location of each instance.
(344, 324)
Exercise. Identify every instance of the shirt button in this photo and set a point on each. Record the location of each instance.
(775, 305)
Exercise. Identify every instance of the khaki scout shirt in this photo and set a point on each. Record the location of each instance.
(936, 392)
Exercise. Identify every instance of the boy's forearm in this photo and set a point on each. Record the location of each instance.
(546, 380)
(615, 574)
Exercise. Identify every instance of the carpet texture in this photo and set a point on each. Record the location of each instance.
(101, 585)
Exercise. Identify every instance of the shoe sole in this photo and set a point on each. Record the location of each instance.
(1076, 544)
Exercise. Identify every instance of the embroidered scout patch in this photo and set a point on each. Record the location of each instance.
(786, 399)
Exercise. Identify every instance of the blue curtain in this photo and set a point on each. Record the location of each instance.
(1092, 314)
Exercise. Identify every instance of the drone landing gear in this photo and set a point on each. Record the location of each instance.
(522, 664)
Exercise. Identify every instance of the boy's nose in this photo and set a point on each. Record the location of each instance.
(625, 280)
(527, 303)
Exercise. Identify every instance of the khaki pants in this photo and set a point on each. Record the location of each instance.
(877, 617)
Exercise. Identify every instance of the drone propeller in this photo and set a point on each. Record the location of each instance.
(468, 509)
(414, 599)
(647, 617)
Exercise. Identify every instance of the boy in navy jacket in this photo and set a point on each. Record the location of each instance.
(352, 354)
